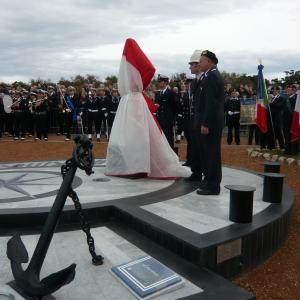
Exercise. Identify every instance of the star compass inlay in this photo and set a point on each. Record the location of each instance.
(22, 185)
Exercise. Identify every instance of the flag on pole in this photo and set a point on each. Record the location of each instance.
(262, 104)
(295, 126)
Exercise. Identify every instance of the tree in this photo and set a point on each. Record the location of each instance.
(111, 79)
(291, 77)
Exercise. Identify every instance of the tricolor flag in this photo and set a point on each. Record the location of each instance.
(295, 127)
(262, 105)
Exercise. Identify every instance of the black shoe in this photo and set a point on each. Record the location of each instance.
(203, 185)
(237, 143)
(205, 191)
(193, 177)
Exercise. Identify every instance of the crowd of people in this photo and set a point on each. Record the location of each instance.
(197, 107)
(36, 111)
(32, 113)
(279, 118)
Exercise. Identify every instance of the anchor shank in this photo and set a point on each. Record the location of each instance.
(51, 223)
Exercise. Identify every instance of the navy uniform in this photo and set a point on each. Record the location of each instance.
(2, 111)
(70, 106)
(29, 118)
(61, 109)
(82, 110)
(19, 108)
(40, 108)
(112, 107)
(103, 98)
(210, 117)
(179, 122)
(276, 107)
(53, 114)
(167, 108)
(291, 147)
(233, 111)
(93, 111)
(186, 114)
(196, 144)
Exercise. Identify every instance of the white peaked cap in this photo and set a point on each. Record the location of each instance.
(195, 56)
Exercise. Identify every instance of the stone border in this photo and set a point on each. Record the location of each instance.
(264, 154)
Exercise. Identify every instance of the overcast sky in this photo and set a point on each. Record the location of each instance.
(54, 39)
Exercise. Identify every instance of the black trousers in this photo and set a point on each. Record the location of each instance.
(187, 134)
(233, 122)
(103, 123)
(179, 125)
(276, 132)
(196, 152)
(61, 121)
(29, 122)
(2, 116)
(212, 158)
(9, 123)
(41, 126)
(111, 118)
(68, 119)
(19, 124)
(168, 130)
(93, 118)
(253, 131)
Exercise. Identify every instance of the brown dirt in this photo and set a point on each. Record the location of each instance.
(277, 278)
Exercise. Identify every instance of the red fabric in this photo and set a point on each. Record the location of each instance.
(150, 104)
(261, 118)
(135, 56)
(152, 109)
(295, 127)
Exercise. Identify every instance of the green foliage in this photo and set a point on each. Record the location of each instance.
(111, 80)
(80, 81)
(291, 77)
(235, 79)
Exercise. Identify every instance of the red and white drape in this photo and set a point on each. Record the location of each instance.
(137, 144)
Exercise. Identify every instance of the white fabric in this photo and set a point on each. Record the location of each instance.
(136, 144)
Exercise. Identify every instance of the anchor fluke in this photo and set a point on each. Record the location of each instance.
(16, 250)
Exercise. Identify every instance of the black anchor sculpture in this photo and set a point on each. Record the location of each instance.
(29, 280)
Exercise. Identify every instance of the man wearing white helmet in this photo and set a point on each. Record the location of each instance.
(196, 151)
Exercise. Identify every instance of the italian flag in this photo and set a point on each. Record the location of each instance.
(262, 102)
(295, 127)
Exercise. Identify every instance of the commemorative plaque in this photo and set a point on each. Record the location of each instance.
(146, 277)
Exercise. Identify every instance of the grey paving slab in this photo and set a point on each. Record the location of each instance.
(28, 185)
(35, 184)
(203, 214)
(91, 282)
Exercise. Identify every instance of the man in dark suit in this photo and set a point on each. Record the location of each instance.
(166, 108)
(276, 107)
(112, 107)
(195, 149)
(291, 147)
(210, 117)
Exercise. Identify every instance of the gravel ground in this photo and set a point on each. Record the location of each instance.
(277, 278)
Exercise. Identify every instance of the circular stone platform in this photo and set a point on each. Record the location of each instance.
(169, 212)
